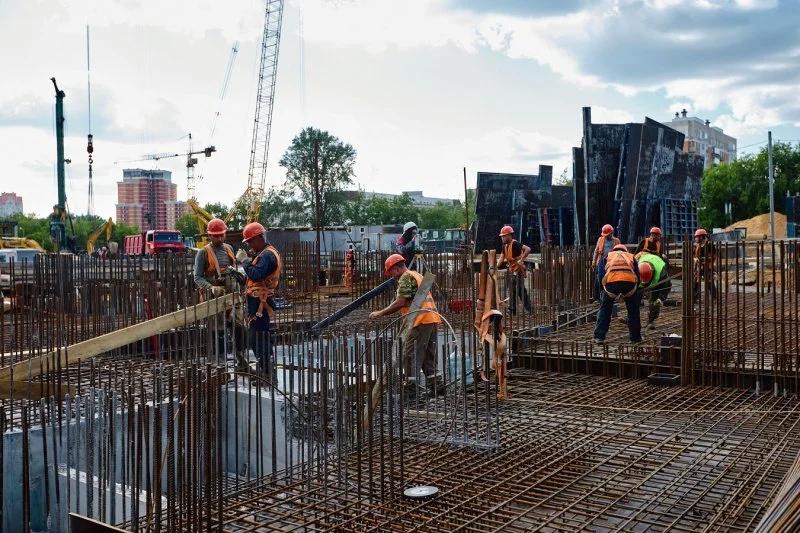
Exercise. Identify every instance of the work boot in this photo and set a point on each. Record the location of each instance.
(435, 386)
(650, 326)
(411, 391)
(599, 342)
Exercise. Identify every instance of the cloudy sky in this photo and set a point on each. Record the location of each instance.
(421, 88)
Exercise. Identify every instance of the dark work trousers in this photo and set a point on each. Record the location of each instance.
(659, 294)
(517, 290)
(632, 303)
(598, 280)
(708, 278)
(260, 336)
(419, 350)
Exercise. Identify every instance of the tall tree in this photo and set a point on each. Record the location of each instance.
(318, 164)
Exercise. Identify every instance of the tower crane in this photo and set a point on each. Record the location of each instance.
(262, 122)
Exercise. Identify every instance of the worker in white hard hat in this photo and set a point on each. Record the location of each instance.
(407, 244)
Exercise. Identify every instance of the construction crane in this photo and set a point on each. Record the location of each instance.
(262, 122)
(106, 227)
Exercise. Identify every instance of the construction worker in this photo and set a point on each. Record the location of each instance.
(705, 256)
(513, 255)
(651, 244)
(620, 282)
(263, 274)
(213, 259)
(654, 281)
(419, 348)
(605, 243)
(407, 244)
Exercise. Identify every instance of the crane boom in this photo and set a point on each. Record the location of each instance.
(265, 99)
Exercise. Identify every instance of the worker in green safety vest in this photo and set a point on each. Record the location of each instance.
(654, 279)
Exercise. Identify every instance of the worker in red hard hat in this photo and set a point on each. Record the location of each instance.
(654, 281)
(263, 269)
(513, 256)
(605, 243)
(651, 244)
(213, 259)
(620, 282)
(705, 256)
(419, 347)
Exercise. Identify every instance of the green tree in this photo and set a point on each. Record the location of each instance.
(187, 225)
(281, 210)
(441, 216)
(312, 179)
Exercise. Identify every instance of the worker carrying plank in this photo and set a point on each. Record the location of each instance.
(513, 256)
(705, 256)
(604, 245)
(419, 346)
(263, 273)
(651, 244)
(213, 259)
(620, 282)
(654, 281)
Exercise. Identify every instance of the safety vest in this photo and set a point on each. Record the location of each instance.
(599, 249)
(422, 317)
(657, 264)
(651, 247)
(264, 289)
(619, 267)
(212, 265)
(514, 265)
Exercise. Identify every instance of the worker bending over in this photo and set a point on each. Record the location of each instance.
(407, 244)
(513, 256)
(620, 282)
(263, 274)
(705, 256)
(655, 283)
(651, 244)
(213, 259)
(604, 245)
(419, 346)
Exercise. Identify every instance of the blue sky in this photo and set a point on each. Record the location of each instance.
(420, 88)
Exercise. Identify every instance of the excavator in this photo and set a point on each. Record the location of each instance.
(20, 242)
(107, 227)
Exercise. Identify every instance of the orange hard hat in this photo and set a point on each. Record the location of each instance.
(645, 272)
(216, 227)
(655, 230)
(607, 230)
(253, 229)
(620, 248)
(392, 261)
(506, 230)
(700, 232)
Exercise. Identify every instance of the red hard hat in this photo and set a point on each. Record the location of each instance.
(620, 248)
(507, 230)
(645, 272)
(655, 230)
(253, 229)
(216, 227)
(607, 230)
(700, 232)
(392, 261)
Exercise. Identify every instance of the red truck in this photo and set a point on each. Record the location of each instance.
(154, 242)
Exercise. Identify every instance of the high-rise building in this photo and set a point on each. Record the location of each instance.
(148, 199)
(704, 139)
(10, 204)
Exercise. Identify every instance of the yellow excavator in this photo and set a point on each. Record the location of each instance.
(20, 242)
(107, 227)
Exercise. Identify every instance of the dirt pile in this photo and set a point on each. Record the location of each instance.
(758, 226)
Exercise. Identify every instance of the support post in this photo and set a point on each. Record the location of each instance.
(771, 187)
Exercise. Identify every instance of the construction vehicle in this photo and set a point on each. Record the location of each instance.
(154, 242)
(21, 243)
(106, 227)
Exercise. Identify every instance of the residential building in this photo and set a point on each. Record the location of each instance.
(148, 199)
(10, 204)
(704, 139)
(417, 197)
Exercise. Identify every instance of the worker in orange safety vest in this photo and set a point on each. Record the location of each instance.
(419, 347)
(620, 282)
(513, 256)
(651, 244)
(213, 259)
(704, 257)
(605, 243)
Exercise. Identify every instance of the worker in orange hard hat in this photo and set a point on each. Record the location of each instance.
(419, 347)
(263, 272)
(620, 282)
(605, 243)
(705, 256)
(513, 256)
(213, 260)
(651, 244)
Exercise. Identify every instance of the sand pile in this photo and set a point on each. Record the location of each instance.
(758, 226)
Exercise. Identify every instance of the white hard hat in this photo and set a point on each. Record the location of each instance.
(408, 225)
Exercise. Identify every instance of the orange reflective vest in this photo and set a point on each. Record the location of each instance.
(619, 267)
(651, 247)
(212, 265)
(264, 289)
(514, 264)
(599, 249)
(423, 317)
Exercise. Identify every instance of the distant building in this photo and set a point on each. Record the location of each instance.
(418, 199)
(10, 204)
(148, 199)
(703, 139)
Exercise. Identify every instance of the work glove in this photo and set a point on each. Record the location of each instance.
(217, 291)
(241, 255)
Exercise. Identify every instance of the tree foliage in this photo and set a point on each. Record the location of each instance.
(744, 183)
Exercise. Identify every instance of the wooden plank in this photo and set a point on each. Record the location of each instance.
(117, 339)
